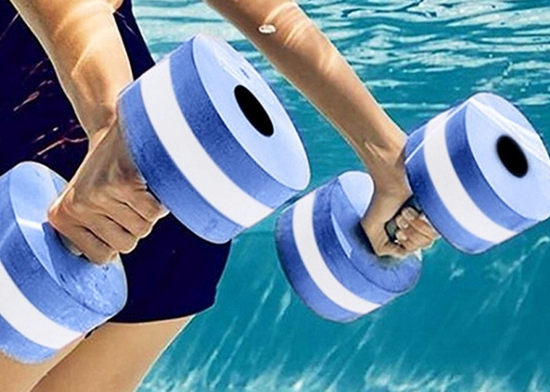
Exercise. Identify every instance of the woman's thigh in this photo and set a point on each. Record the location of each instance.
(18, 377)
(114, 358)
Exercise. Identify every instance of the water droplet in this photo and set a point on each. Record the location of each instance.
(267, 29)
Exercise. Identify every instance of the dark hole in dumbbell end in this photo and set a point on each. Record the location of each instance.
(253, 111)
(512, 156)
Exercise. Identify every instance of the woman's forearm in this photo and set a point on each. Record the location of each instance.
(82, 40)
(308, 59)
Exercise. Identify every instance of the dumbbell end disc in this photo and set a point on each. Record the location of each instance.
(327, 258)
(49, 296)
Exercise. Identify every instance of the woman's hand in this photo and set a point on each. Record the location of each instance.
(391, 191)
(106, 207)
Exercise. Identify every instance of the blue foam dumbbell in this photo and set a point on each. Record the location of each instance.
(208, 136)
(468, 168)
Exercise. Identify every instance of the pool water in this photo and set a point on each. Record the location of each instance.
(473, 323)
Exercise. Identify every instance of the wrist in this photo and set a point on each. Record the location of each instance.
(108, 130)
(95, 117)
(94, 91)
(386, 165)
(384, 156)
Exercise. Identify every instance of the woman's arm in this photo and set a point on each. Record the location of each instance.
(106, 208)
(82, 41)
(308, 59)
(84, 45)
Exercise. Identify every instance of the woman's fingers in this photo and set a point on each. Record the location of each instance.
(390, 249)
(112, 234)
(84, 240)
(95, 250)
(418, 222)
(144, 204)
(414, 231)
(130, 220)
(413, 241)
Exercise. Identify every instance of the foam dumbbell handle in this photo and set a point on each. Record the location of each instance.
(391, 226)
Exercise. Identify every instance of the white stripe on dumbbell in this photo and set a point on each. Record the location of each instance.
(21, 314)
(449, 188)
(190, 157)
(304, 236)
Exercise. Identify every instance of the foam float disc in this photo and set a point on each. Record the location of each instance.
(327, 257)
(211, 139)
(48, 296)
(480, 173)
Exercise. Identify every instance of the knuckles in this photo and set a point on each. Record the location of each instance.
(54, 217)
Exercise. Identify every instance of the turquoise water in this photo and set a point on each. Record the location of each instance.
(473, 323)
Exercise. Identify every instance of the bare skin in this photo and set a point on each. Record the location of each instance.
(19, 377)
(106, 208)
(114, 359)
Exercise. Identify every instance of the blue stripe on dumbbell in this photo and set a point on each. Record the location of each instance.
(433, 207)
(298, 276)
(49, 296)
(327, 259)
(162, 175)
(335, 223)
(237, 180)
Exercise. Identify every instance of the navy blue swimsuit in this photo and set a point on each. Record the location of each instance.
(172, 273)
